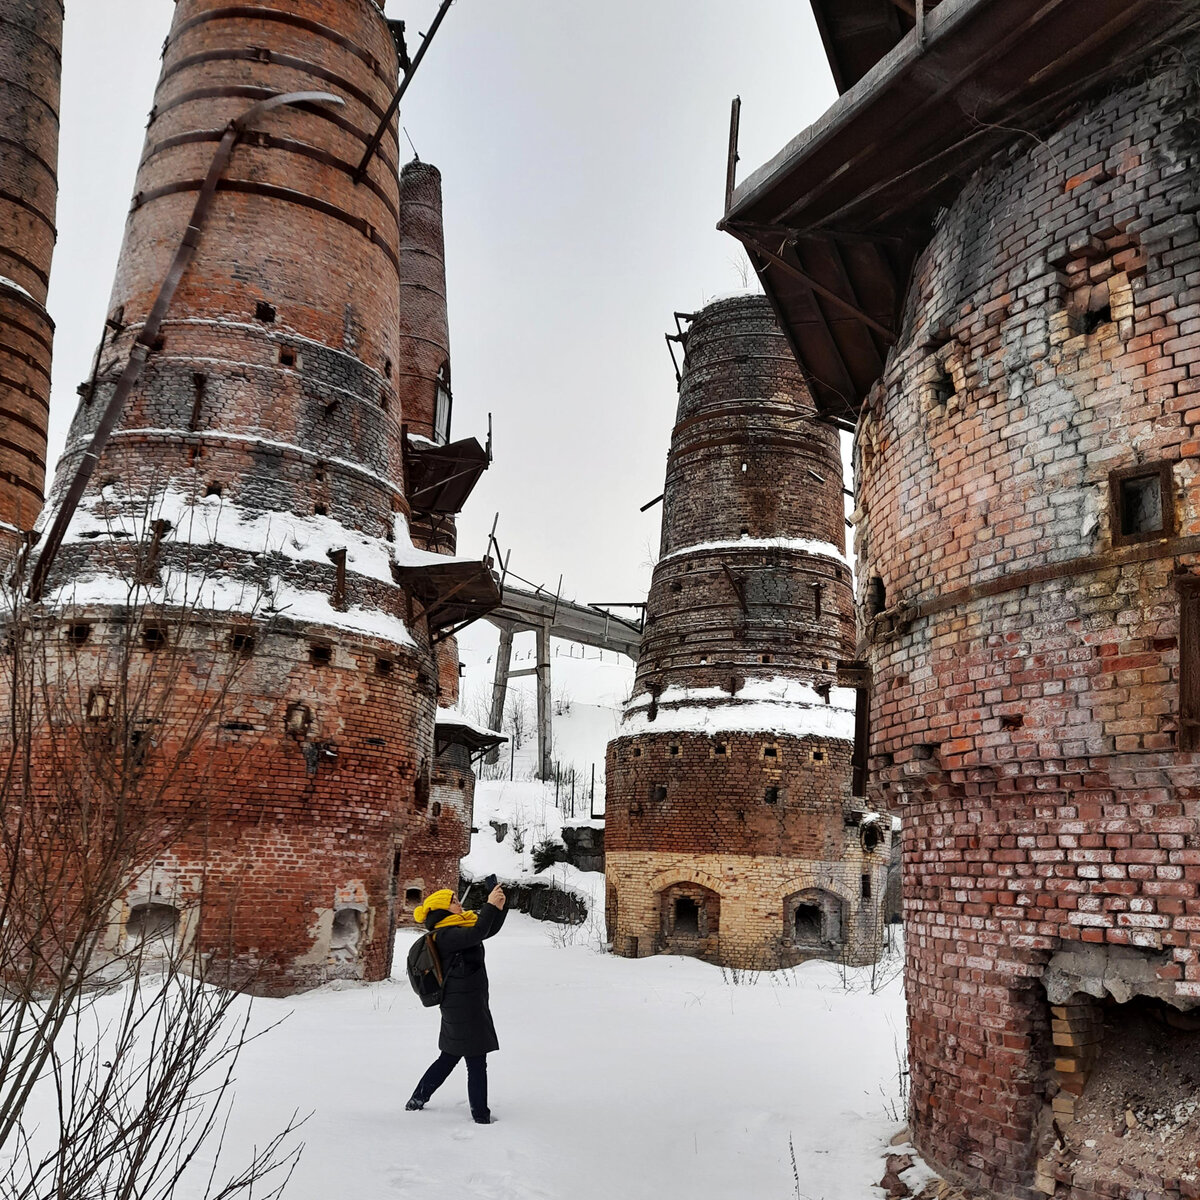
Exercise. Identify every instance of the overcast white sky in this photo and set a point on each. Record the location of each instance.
(582, 147)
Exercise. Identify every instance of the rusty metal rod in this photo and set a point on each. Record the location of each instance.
(393, 108)
(145, 340)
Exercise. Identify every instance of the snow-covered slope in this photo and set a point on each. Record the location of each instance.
(588, 690)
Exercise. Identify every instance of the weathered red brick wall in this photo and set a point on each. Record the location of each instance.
(288, 818)
(733, 769)
(1025, 636)
(266, 433)
(30, 72)
(440, 831)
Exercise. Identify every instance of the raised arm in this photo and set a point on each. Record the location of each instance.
(460, 937)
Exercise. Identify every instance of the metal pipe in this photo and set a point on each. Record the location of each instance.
(392, 108)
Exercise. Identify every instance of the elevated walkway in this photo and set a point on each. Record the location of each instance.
(549, 616)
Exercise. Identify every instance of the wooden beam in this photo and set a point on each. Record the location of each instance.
(829, 295)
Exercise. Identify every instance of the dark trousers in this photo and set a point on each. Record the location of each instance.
(440, 1070)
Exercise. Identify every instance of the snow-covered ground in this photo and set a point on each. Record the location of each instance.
(663, 1078)
(660, 1078)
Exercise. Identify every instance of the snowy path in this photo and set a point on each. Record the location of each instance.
(615, 1078)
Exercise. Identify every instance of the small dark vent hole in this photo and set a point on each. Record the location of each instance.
(1013, 721)
(287, 356)
(320, 654)
(770, 752)
(78, 633)
(771, 796)
(241, 641)
(320, 510)
(866, 887)
(212, 489)
(383, 666)
(154, 636)
(658, 791)
(264, 312)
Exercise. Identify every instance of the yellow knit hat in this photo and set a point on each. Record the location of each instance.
(433, 902)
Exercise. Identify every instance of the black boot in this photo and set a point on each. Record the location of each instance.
(483, 1117)
(414, 1105)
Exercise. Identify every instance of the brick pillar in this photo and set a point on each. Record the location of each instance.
(30, 70)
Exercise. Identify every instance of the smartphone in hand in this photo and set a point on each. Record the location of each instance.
(489, 883)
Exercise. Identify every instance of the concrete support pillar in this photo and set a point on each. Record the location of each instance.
(500, 685)
(545, 741)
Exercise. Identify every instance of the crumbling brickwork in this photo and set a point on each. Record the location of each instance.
(254, 488)
(1029, 560)
(730, 828)
(30, 72)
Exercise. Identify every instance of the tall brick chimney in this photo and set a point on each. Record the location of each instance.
(30, 71)
(423, 363)
(731, 830)
(257, 473)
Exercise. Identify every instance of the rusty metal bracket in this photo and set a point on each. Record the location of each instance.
(145, 340)
(394, 107)
(739, 588)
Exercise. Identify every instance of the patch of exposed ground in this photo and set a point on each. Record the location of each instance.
(1138, 1120)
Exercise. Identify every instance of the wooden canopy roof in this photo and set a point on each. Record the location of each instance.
(836, 220)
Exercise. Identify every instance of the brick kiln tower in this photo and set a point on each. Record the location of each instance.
(255, 486)
(1021, 323)
(731, 831)
(30, 70)
(441, 474)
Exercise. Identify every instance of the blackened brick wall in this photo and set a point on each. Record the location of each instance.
(1027, 711)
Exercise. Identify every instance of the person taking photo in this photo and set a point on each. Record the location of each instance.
(467, 1029)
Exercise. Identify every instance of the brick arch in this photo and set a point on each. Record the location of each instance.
(812, 881)
(664, 879)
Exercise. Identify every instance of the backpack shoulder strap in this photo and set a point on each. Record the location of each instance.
(431, 942)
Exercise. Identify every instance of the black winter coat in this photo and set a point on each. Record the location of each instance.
(467, 1027)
